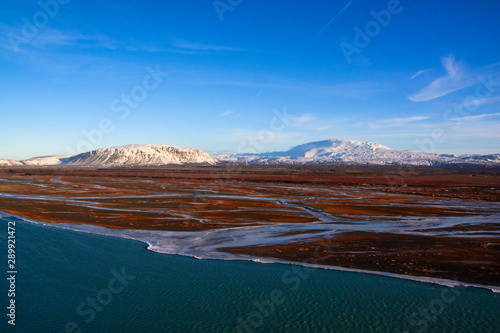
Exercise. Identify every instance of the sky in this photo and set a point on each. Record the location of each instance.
(248, 75)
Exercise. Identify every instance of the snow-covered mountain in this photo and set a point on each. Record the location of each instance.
(131, 155)
(45, 160)
(4, 162)
(140, 155)
(326, 151)
(355, 152)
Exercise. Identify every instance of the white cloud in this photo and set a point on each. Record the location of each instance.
(482, 101)
(392, 122)
(305, 118)
(402, 121)
(226, 113)
(194, 47)
(456, 78)
(477, 117)
(418, 73)
(324, 128)
(48, 37)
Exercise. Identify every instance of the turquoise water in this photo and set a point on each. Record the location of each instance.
(61, 272)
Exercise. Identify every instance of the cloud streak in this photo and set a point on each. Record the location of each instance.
(418, 73)
(305, 118)
(49, 38)
(402, 121)
(332, 20)
(392, 122)
(482, 101)
(226, 113)
(190, 46)
(477, 117)
(455, 79)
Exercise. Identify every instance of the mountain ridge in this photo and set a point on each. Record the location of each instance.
(140, 155)
(355, 152)
(128, 155)
(324, 151)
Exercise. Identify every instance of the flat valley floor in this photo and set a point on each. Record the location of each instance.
(440, 222)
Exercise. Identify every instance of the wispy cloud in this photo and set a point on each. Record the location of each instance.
(324, 128)
(482, 101)
(478, 117)
(392, 122)
(418, 73)
(48, 38)
(226, 113)
(144, 47)
(200, 47)
(456, 78)
(402, 121)
(305, 118)
(332, 20)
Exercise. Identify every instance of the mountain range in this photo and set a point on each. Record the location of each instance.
(130, 155)
(355, 152)
(326, 151)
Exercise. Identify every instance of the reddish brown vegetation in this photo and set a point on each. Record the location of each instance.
(204, 198)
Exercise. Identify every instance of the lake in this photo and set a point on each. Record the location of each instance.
(70, 281)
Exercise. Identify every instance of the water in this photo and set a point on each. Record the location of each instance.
(60, 270)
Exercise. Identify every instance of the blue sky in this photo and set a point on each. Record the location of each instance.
(248, 75)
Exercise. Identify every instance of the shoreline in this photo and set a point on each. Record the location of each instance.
(263, 260)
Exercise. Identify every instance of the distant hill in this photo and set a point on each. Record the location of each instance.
(354, 152)
(131, 155)
(140, 155)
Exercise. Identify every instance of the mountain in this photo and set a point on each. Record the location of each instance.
(333, 147)
(131, 155)
(354, 152)
(45, 160)
(4, 162)
(139, 155)
(326, 151)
